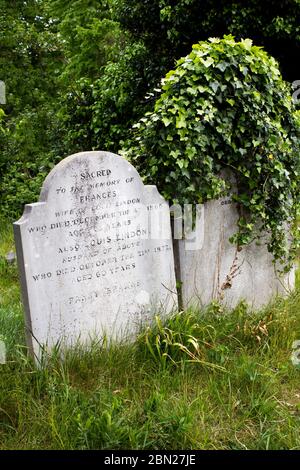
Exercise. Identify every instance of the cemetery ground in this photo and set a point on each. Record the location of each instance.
(212, 381)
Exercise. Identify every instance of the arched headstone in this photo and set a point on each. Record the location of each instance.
(95, 253)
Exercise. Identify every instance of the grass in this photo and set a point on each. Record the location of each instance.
(198, 381)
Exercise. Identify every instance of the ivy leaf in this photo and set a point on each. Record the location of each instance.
(180, 122)
(167, 121)
(222, 66)
(247, 44)
(214, 86)
(207, 62)
(230, 101)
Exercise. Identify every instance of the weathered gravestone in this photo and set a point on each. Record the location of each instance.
(95, 254)
(213, 268)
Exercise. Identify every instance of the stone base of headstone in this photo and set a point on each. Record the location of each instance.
(219, 271)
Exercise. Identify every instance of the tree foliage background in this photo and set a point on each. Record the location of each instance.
(80, 73)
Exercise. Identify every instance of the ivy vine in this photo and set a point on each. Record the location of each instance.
(226, 106)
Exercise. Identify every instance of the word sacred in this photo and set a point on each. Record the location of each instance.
(94, 174)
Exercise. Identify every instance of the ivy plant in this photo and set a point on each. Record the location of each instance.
(226, 107)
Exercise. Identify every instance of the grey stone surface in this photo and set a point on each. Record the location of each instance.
(217, 271)
(95, 253)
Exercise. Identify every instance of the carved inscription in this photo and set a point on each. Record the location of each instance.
(88, 253)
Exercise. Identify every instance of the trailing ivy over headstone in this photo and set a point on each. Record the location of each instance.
(226, 106)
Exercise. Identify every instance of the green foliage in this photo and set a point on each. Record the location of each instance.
(29, 54)
(123, 397)
(30, 60)
(77, 72)
(182, 340)
(35, 138)
(22, 183)
(226, 107)
(146, 37)
(95, 111)
(116, 97)
(151, 35)
(91, 38)
(2, 114)
(172, 27)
